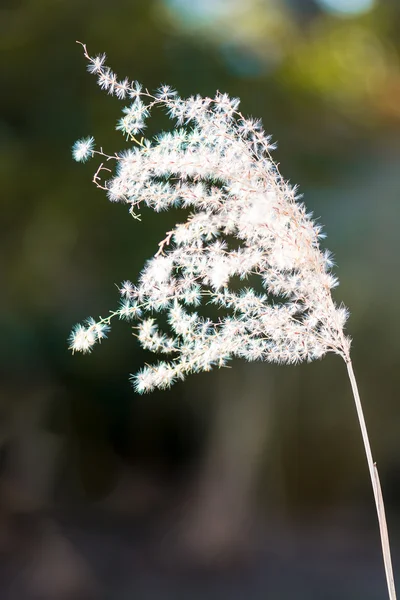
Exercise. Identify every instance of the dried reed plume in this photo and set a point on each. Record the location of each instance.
(218, 163)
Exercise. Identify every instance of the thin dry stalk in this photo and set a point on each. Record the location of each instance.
(376, 486)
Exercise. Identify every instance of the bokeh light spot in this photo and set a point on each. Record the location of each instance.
(347, 7)
(200, 11)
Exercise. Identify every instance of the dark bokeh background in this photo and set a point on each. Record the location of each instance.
(247, 482)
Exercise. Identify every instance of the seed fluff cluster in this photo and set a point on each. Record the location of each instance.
(245, 221)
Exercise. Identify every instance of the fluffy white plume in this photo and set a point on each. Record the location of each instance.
(219, 165)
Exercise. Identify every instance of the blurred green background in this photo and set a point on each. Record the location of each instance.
(251, 444)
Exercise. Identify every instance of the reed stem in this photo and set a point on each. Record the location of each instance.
(373, 472)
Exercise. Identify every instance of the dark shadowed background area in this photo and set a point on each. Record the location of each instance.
(248, 482)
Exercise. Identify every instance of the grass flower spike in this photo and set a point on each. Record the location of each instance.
(245, 221)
